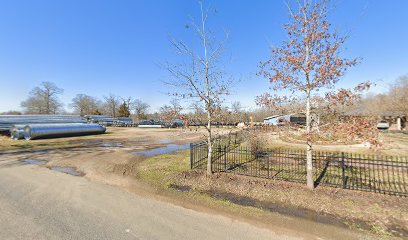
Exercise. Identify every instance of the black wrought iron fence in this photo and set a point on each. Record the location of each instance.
(230, 139)
(374, 173)
(199, 151)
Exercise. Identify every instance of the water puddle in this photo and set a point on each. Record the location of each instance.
(111, 144)
(33, 161)
(181, 188)
(144, 139)
(163, 150)
(68, 170)
(285, 210)
(104, 144)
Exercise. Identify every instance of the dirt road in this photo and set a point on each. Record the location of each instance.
(37, 203)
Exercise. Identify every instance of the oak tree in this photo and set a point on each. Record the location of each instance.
(308, 62)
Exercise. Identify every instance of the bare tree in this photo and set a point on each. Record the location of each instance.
(236, 107)
(308, 62)
(393, 101)
(199, 77)
(11, 112)
(237, 111)
(197, 109)
(398, 96)
(43, 99)
(390, 103)
(33, 105)
(84, 104)
(140, 109)
(112, 103)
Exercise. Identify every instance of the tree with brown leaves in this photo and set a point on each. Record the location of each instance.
(308, 62)
(172, 111)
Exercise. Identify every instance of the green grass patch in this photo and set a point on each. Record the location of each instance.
(165, 170)
(162, 170)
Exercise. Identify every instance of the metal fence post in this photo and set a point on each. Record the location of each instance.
(225, 158)
(268, 159)
(343, 170)
(191, 155)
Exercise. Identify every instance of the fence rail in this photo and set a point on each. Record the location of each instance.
(373, 173)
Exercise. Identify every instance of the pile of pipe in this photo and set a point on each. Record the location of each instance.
(7, 121)
(123, 122)
(100, 119)
(38, 131)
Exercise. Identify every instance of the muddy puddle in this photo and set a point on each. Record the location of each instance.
(104, 144)
(17, 152)
(287, 210)
(33, 162)
(181, 188)
(165, 141)
(68, 170)
(144, 139)
(163, 150)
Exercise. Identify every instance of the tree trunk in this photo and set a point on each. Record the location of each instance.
(399, 124)
(309, 163)
(209, 159)
(47, 99)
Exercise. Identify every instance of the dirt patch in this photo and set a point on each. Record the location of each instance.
(104, 158)
(395, 144)
(369, 211)
(68, 170)
(285, 209)
(102, 143)
(274, 140)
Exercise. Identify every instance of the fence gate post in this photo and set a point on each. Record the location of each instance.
(343, 170)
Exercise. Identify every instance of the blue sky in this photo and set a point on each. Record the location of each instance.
(98, 47)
